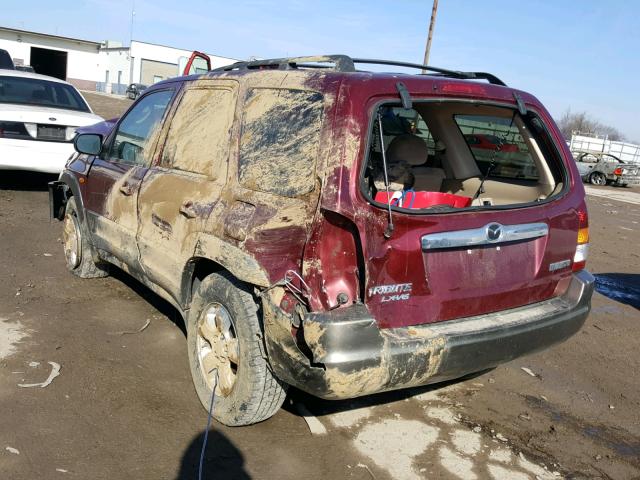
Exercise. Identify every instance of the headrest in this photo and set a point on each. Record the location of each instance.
(407, 148)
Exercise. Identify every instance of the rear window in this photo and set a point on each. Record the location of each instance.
(401, 121)
(498, 140)
(280, 141)
(443, 155)
(33, 91)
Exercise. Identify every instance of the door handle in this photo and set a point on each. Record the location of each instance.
(188, 209)
(126, 189)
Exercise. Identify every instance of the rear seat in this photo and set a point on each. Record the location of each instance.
(412, 150)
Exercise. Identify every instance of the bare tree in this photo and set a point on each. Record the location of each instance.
(582, 122)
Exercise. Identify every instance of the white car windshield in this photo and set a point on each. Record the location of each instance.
(33, 91)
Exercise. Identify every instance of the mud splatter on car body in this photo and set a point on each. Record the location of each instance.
(257, 172)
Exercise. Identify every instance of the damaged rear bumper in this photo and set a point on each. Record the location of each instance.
(351, 356)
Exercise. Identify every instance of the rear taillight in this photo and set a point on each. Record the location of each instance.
(14, 130)
(582, 247)
(70, 133)
(618, 171)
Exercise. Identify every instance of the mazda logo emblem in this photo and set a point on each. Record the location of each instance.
(52, 119)
(494, 232)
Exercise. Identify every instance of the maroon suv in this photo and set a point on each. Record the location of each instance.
(335, 229)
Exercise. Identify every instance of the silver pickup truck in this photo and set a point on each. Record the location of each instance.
(604, 168)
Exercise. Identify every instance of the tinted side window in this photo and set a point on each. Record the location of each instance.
(588, 158)
(198, 139)
(138, 129)
(280, 140)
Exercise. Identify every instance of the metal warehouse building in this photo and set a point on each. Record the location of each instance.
(104, 66)
(71, 59)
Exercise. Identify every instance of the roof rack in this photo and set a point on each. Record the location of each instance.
(344, 63)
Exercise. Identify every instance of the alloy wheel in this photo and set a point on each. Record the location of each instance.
(71, 240)
(218, 348)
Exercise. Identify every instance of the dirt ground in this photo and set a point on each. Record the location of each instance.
(107, 106)
(123, 405)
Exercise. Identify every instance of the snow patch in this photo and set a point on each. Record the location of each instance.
(350, 418)
(443, 414)
(393, 444)
(11, 333)
(501, 455)
(456, 464)
(466, 442)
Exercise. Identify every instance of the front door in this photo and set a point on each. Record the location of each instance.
(114, 179)
(198, 63)
(178, 195)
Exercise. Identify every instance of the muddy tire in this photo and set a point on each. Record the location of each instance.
(78, 251)
(224, 338)
(597, 178)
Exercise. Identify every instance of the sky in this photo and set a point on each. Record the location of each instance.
(579, 55)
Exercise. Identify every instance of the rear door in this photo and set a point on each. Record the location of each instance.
(115, 176)
(179, 193)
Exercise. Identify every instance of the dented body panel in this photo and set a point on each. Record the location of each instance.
(352, 356)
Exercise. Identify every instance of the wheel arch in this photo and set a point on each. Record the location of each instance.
(220, 257)
(60, 191)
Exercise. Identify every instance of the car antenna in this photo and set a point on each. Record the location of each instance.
(389, 230)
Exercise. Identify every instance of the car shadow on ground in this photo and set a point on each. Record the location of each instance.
(157, 302)
(622, 287)
(25, 181)
(319, 407)
(222, 459)
(315, 405)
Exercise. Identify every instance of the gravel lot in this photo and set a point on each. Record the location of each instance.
(124, 407)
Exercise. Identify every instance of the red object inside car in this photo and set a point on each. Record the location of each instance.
(415, 200)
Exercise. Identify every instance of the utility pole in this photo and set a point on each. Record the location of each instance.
(133, 14)
(430, 36)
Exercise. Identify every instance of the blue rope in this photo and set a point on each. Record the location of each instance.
(206, 432)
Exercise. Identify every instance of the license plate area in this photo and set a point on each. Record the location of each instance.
(52, 133)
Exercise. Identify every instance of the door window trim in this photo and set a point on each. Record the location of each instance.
(108, 144)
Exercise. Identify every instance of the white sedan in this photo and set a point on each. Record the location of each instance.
(38, 120)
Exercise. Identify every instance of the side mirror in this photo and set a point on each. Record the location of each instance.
(89, 143)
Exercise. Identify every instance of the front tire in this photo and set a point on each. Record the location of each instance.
(598, 178)
(78, 252)
(224, 338)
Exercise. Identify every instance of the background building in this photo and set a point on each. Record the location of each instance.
(70, 59)
(145, 63)
(103, 66)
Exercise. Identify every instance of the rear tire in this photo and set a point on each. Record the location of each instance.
(597, 178)
(78, 252)
(224, 336)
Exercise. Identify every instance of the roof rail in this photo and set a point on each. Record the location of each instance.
(443, 72)
(344, 63)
